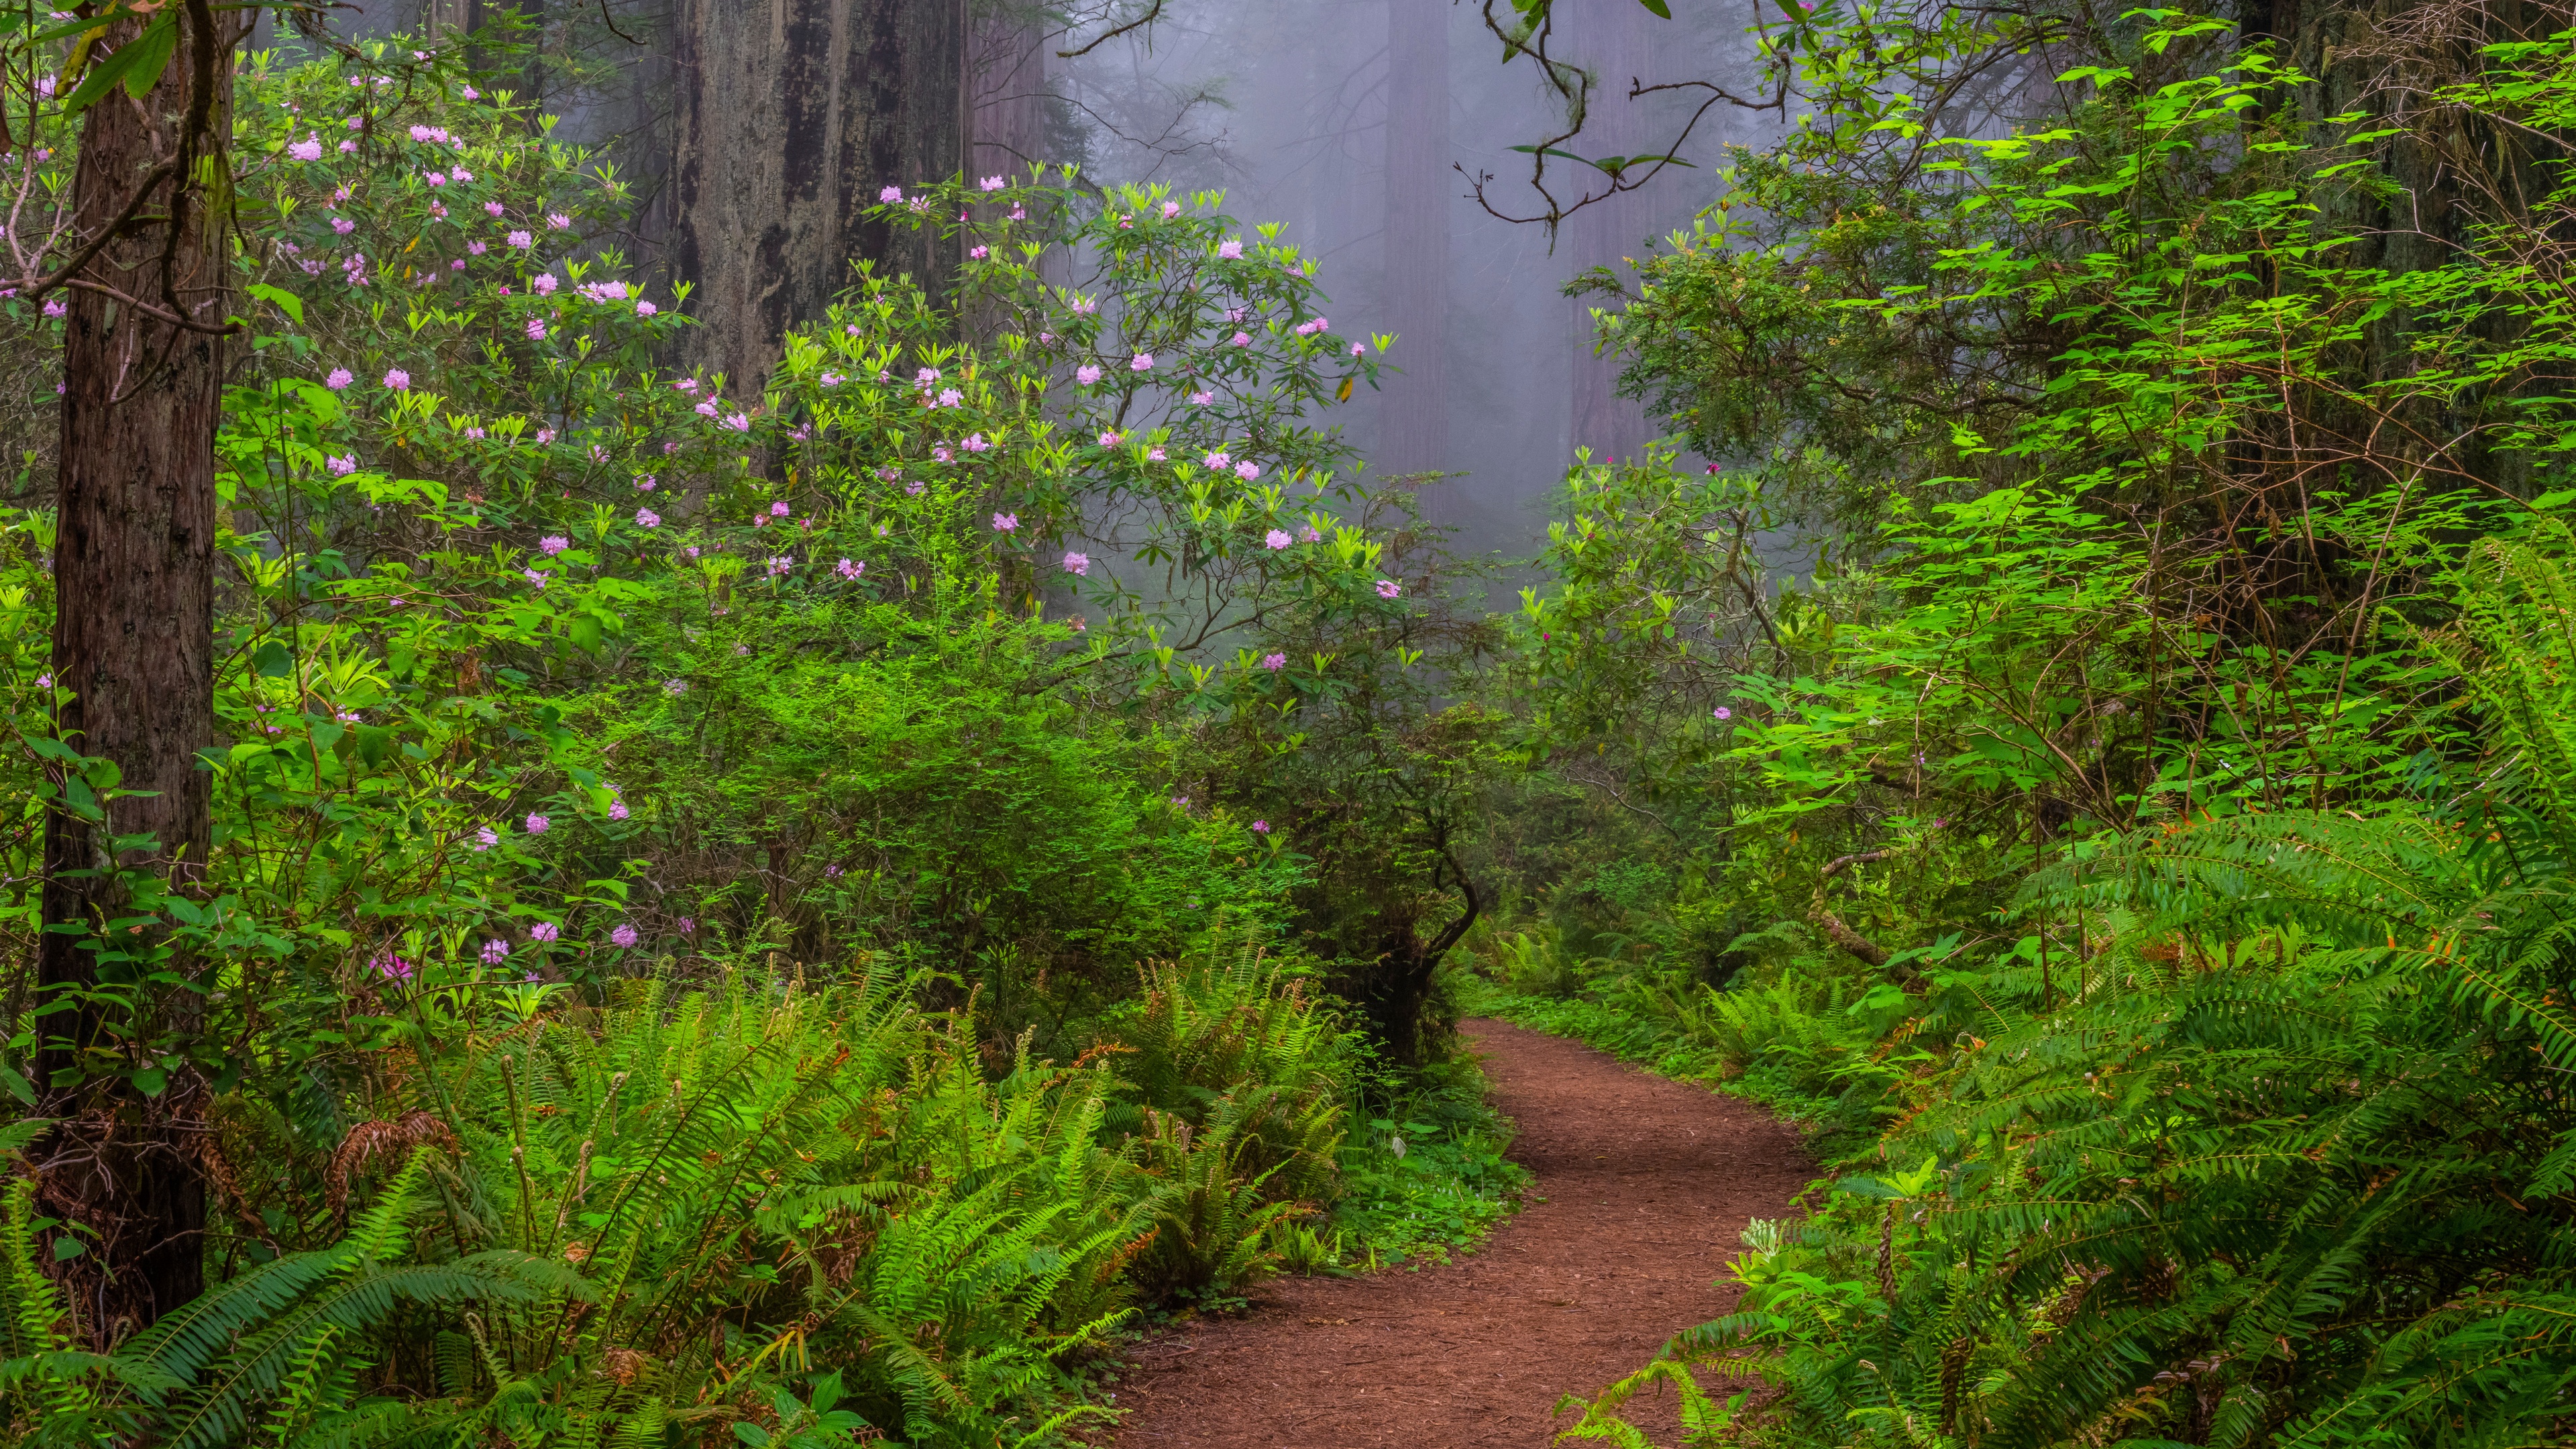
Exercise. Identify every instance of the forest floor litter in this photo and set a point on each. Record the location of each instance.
(1643, 1186)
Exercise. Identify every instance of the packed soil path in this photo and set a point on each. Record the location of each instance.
(1643, 1187)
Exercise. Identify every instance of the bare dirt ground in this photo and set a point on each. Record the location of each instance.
(1646, 1185)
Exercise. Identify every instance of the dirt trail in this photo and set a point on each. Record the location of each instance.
(1647, 1184)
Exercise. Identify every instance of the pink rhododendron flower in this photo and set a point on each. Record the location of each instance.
(1274, 662)
(520, 239)
(1230, 250)
(849, 569)
(397, 379)
(1242, 339)
(1005, 522)
(1388, 588)
(1077, 564)
(1141, 362)
(623, 938)
(647, 518)
(1277, 538)
(486, 838)
(544, 931)
(543, 284)
(890, 194)
(341, 467)
(338, 379)
(1247, 470)
(1086, 374)
(1109, 437)
(308, 149)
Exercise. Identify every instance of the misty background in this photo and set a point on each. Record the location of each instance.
(1361, 126)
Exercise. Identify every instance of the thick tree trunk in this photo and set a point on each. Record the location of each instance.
(1414, 438)
(791, 116)
(133, 643)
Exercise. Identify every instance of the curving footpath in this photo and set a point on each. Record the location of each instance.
(1646, 1185)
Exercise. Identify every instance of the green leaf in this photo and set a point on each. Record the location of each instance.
(67, 1248)
(143, 57)
(1661, 10)
(280, 298)
(272, 661)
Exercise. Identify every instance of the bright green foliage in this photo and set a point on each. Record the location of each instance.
(2145, 839)
(670, 1208)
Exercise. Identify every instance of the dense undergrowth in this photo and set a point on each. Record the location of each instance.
(770, 910)
(795, 909)
(2139, 857)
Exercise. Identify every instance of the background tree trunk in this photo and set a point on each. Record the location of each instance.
(790, 117)
(1617, 42)
(133, 643)
(1415, 435)
(1006, 78)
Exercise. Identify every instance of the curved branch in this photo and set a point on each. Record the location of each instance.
(1152, 13)
(1832, 925)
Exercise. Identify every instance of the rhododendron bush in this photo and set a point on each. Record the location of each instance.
(542, 656)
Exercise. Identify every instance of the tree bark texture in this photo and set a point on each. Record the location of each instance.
(133, 643)
(1414, 437)
(1006, 74)
(791, 115)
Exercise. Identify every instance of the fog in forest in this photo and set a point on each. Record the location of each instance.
(1360, 126)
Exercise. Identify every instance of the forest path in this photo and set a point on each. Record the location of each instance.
(1647, 1184)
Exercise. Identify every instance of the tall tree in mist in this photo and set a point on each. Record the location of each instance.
(133, 648)
(1616, 42)
(1414, 436)
(789, 119)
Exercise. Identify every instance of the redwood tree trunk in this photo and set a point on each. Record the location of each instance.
(1414, 436)
(133, 643)
(791, 116)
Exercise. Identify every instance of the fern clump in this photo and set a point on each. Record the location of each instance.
(659, 1214)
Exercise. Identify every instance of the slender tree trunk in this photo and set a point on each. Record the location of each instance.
(1414, 438)
(791, 116)
(133, 643)
(1006, 76)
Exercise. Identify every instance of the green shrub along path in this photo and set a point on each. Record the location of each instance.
(1643, 1190)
